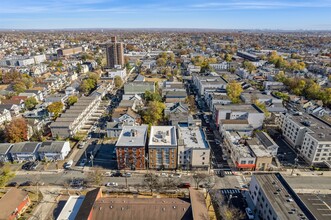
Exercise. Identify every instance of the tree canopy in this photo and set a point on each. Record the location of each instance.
(55, 108)
(118, 81)
(16, 131)
(30, 103)
(72, 100)
(234, 90)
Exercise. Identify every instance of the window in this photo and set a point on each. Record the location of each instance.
(203, 158)
(203, 163)
(250, 162)
(243, 162)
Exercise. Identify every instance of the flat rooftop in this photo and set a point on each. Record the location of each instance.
(163, 136)
(320, 129)
(238, 108)
(133, 136)
(193, 137)
(281, 197)
(318, 204)
(258, 149)
(71, 208)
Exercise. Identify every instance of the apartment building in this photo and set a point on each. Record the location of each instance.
(115, 53)
(193, 149)
(274, 199)
(69, 51)
(254, 115)
(208, 82)
(310, 135)
(75, 117)
(130, 147)
(162, 148)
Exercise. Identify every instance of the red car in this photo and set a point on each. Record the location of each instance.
(184, 185)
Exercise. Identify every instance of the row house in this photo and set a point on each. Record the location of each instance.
(5, 116)
(75, 117)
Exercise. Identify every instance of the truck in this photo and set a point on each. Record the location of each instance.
(68, 164)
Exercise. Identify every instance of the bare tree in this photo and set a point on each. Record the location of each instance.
(170, 183)
(198, 177)
(231, 213)
(95, 176)
(209, 185)
(151, 181)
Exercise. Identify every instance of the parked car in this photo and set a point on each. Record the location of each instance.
(177, 175)
(117, 174)
(26, 183)
(111, 184)
(81, 144)
(83, 162)
(12, 184)
(127, 175)
(164, 174)
(184, 185)
(27, 165)
(222, 173)
(68, 164)
(217, 141)
(249, 213)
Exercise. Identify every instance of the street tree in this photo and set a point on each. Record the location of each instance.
(170, 183)
(234, 90)
(30, 103)
(72, 100)
(55, 108)
(118, 81)
(95, 176)
(231, 213)
(16, 131)
(190, 100)
(152, 96)
(151, 181)
(198, 177)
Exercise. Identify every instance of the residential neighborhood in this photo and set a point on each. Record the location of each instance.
(204, 123)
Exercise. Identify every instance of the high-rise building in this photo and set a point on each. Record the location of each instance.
(115, 53)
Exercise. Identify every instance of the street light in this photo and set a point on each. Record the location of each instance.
(295, 164)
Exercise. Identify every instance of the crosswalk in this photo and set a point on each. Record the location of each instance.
(226, 172)
(227, 192)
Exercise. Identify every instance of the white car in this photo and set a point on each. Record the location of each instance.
(177, 175)
(164, 174)
(111, 184)
(107, 174)
(249, 213)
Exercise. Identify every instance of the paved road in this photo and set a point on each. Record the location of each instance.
(137, 178)
(309, 182)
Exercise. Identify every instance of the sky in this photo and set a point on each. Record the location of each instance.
(216, 14)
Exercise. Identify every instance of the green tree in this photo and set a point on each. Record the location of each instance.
(118, 82)
(79, 68)
(161, 62)
(16, 131)
(151, 181)
(249, 66)
(228, 57)
(154, 112)
(326, 96)
(313, 90)
(234, 90)
(55, 108)
(152, 96)
(30, 103)
(263, 107)
(72, 100)
(299, 87)
(19, 87)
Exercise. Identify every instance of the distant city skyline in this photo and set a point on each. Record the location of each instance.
(210, 14)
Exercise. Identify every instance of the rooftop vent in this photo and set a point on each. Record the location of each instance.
(163, 209)
(174, 207)
(122, 208)
(111, 206)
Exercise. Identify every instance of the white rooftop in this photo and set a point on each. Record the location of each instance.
(71, 208)
(132, 136)
(193, 137)
(163, 136)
